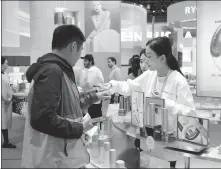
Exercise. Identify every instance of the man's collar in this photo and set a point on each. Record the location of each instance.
(114, 67)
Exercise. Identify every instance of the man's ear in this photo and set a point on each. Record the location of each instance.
(73, 46)
(163, 58)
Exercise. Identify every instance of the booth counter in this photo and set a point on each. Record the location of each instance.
(124, 137)
(162, 152)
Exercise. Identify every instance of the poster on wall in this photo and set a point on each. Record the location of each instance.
(209, 48)
(102, 26)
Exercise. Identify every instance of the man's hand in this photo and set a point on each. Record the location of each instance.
(87, 125)
(105, 95)
(103, 87)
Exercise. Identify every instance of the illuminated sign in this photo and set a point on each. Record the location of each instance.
(190, 9)
(189, 33)
(129, 36)
(158, 34)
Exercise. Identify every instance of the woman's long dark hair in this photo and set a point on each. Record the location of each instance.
(162, 46)
(143, 52)
(130, 63)
(135, 66)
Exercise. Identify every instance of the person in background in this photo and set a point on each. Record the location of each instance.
(130, 63)
(79, 66)
(135, 68)
(115, 74)
(143, 61)
(6, 104)
(55, 125)
(90, 77)
(164, 80)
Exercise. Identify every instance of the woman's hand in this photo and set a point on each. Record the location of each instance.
(156, 94)
(107, 86)
(105, 95)
(104, 87)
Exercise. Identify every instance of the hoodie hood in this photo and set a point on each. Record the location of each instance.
(35, 69)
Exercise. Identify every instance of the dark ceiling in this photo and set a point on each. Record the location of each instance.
(158, 8)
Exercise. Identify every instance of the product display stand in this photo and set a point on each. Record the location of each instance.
(159, 154)
(101, 154)
(160, 151)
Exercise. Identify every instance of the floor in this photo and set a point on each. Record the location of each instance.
(11, 158)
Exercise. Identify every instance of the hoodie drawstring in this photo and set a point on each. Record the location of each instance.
(65, 147)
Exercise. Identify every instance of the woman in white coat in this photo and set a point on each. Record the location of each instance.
(6, 104)
(163, 80)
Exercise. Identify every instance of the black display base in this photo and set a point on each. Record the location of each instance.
(155, 132)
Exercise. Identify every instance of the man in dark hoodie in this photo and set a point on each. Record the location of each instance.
(53, 133)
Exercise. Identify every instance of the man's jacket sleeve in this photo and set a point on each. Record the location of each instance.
(45, 104)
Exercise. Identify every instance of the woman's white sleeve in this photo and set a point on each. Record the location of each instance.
(184, 103)
(126, 87)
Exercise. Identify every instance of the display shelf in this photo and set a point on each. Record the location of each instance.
(160, 150)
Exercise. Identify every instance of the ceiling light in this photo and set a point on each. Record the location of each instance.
(189, 20)
(162, 10)
(148, 6)
(189, 27)
(141, 5)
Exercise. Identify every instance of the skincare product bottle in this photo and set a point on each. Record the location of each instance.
(112, 158)
(98, 130)
(150, 119)
(164, 118)
(105, 127)
(106, 153)
(121, 111)
(101, 149)
(120, 164)
(94, 146)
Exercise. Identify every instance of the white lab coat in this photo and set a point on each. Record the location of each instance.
(90, 77)
(6, 108)
(177, 94)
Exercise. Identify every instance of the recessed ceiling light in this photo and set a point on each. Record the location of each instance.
(148, 6)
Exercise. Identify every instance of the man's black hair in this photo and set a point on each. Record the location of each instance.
(66, 34)
(89, 57)
(113, 59)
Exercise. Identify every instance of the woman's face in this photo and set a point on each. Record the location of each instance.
(143, 63)
(97, 6)
(5, 66)
(153, 61)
